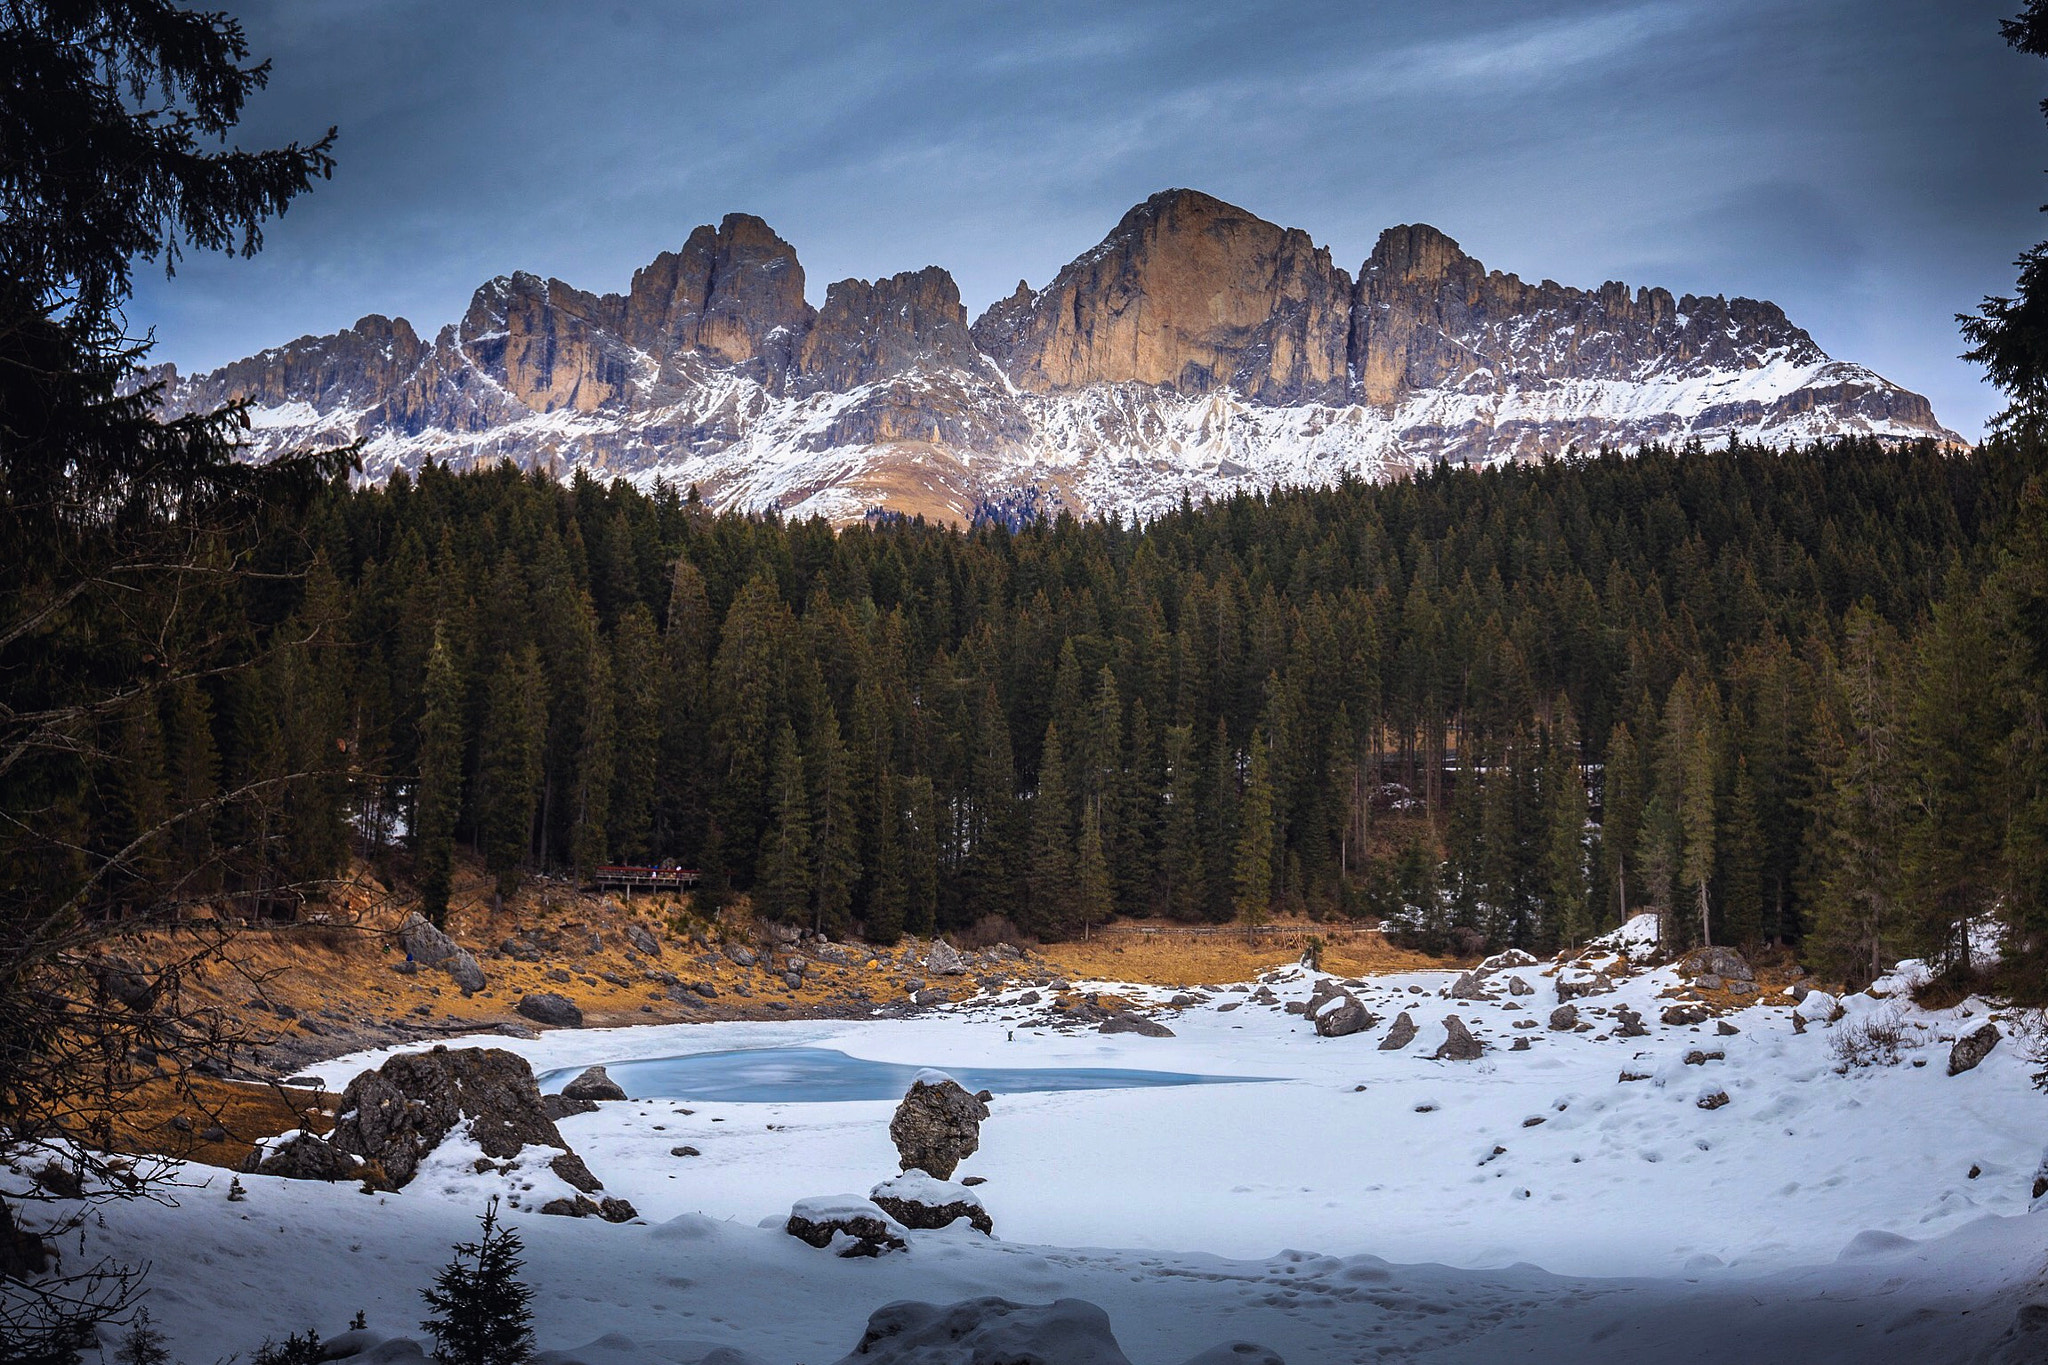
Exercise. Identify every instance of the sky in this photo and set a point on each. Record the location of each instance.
(1872, 165)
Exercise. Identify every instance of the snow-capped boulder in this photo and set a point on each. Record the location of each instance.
(847, 1224)
(594, 1084)
(916, 1200)
(1341, 1015)
(1458, 1045)
(301, 1156)
(1972, 1048)
(1684, 1015)
(938, 1124)
(975, 1331)
(394, 1116)
(1399, 1034)
(1816, 1007)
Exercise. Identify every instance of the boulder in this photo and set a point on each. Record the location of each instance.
(574, 1173)
(1126, 1022)
(865, 1229)
(643, 940)
(1701, 1056)
(1470, 986)
(938, 1125)
(1725, 963)
(916, 1200)
(741, 955)
(1578, 984)
(1679, 1016)
(989, 1331)
(1399, 1034)
(944, 960)
(593, 1084)
(1342, 1015)
(1565, 1018)
(583, 1206)
(559, 1107)
(303, 1156)
(1517, 986)
(1459, 1045)
(1972, 1048)
(398, 1113)
(1712, 1099)
(1236, 1353)
(546, 1007)
(428, 946)
(1631, 1025)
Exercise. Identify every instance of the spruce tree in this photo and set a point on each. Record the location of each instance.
(509, 766)
(482, 1310)
(1252, 867)
(782, 890)
(437, 798)
(1049, 879)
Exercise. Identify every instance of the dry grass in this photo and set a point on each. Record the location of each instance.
(243, 1112)
(1166, 954)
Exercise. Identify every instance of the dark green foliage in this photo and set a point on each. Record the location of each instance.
(296, 1349)
(482, 1310)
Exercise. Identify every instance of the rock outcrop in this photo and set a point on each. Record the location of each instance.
(593, 1083)
(1400, 1033)
(938, 1125)
(394, 1116)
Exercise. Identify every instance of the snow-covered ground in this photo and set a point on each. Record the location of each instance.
(1367, 1204)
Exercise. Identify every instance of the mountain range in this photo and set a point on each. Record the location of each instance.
(1196, 350)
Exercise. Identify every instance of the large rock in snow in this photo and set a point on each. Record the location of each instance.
(1459, 1045)
(993, 1331)
(594, 1084)
(916, 1200)
(1340, 1016)
(938, 1125)
(1725, 963)
(1972, 1048)
(398, 1113)
(857, 1226)
(944, 960)
(302, 1156)
(1400, 1034)
(988, 1331)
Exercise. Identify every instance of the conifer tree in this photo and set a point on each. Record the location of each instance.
(783, 889)
(482, 1310)
(437, 797)
(1095, 897)
(1050, 878)
(509, 766)
(835, 829)
(1252, 868)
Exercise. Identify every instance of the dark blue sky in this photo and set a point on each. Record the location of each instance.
(1872, 165)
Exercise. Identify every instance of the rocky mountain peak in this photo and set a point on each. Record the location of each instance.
(870, 332)
(728, 293)
(1189, 293)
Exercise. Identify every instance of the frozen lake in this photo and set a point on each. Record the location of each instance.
(799, 1075)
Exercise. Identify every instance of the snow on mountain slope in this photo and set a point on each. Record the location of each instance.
(1197, 351)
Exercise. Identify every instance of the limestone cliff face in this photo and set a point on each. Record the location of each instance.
(868, 332)
(1188, 292)
(735, 292)
(1428, 316)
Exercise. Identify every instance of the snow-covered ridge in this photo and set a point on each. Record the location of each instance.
(900, 408)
